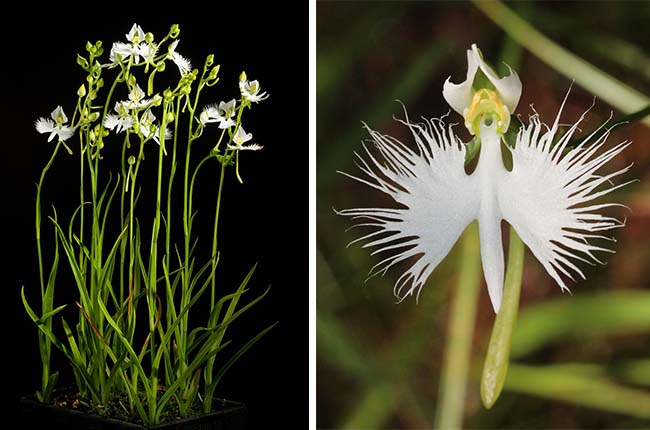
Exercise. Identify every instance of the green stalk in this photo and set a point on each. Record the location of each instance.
(458, 348)
(498, 353)
(44, 344)
(605, 86)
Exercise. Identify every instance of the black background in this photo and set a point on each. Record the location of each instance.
(266, 218)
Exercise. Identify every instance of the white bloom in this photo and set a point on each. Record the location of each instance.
(183, 64)
(250, 90)
(223, 114)
(136, 34)
(149, 129)
(122, 121)
(546, 197)
(242, 137)
(137, 99)
(55, 126)
(136, 47)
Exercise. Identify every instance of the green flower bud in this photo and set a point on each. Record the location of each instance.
(81, 91)
(209, 60)
(168, 94)
(92, 95)
(160, 67)
(170, 117)
(83, 62)
(174, 31)
(89, 47)
(93, 116)
(148, 38)
(242, 77)
(131, 160)
(214, 72)
(131, 81)
(100, 83)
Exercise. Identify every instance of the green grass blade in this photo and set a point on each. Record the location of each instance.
(581, 315)
(558, 383)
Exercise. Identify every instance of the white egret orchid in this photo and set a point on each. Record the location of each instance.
(545, 197)
(250, 90)
(242, 137)
(55, 126)
(184, 65)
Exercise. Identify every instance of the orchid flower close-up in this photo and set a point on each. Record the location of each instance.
(547, 197)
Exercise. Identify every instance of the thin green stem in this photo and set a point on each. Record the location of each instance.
(495, 368)
(458, 348)
(45, 345)
(214, 236)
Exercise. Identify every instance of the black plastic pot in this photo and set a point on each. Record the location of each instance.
(228, 415)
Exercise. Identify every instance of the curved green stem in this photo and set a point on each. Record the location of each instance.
(495, 368)
(458, 348)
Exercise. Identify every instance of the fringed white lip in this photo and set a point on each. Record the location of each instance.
(545, 198)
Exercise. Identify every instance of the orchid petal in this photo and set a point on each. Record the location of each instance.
(438, 201)
(459, 96)
(545, 199)
(508, 87)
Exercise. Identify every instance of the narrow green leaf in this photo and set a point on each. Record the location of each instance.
(581, 315)
(222, 371)
(560, 383)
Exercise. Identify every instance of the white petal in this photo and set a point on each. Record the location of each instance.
(183, 64)
(488, 171)
(44, 125)
(226, 123)
(459, 96)
(58, 112)
(436, 200)
(173, 45)
(111, 121)
(65, 133)
(545, 196)
(241, 136)
(508, 87)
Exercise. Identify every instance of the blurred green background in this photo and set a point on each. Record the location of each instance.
(578, 361)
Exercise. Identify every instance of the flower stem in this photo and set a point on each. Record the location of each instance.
(459, 335)
(498, 353)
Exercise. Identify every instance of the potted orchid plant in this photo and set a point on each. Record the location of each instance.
(150, 315)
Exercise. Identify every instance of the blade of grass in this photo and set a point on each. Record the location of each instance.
(599, 314)
(458, 348)
(558, 383)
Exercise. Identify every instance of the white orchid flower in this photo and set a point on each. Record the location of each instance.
(149, 128)
(55, 126)
(136, 47)
(546, 197)
(122, 120)
(250, 90)
(222, 113)
(242, 137)
(183, 64)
